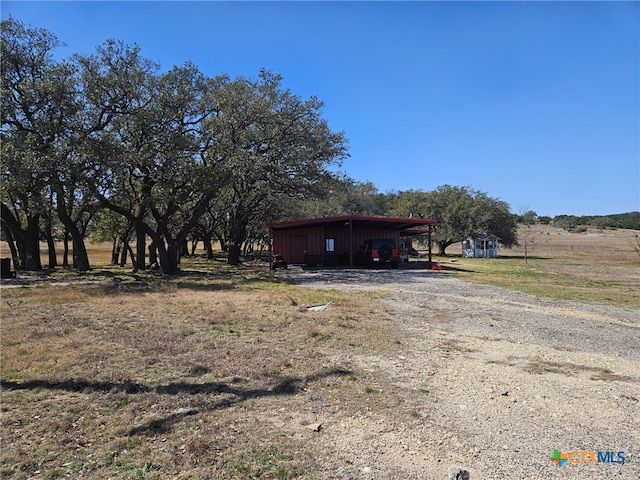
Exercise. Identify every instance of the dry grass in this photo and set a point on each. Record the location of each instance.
(96, 367)
(540, 366)
(599, 267)
(94, 374)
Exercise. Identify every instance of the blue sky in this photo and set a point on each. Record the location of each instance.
(535, 103)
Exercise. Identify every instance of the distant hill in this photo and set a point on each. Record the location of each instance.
(629, 220)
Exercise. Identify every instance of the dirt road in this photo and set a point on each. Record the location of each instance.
(495, 380)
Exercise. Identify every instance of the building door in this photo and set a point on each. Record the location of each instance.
(330, 257)
(297, 249)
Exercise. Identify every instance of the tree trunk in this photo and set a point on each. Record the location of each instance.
(80, 256)
(171, 253)
(207, 246)
(31, 239)
(123, 255)
(168, 256)
(223, 244)
(115, 251)
(27, 240)
(131, 254)
(236, 238)
(51, 245)
(141, 247)
(153, 254)
(171, 259)
(12, 246)
(22, 253)
(65, 252)
(233, 254)
(174, 252)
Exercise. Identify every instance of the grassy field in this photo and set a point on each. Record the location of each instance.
(95, 375)
(556, 278)
(593, 266)
(108, 374)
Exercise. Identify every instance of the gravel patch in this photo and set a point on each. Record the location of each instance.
(498, 380)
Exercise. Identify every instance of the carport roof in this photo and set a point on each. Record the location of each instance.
(404, 225)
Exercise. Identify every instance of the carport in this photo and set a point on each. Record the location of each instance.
(334, 240)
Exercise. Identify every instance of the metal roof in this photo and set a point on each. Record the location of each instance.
(409, 225)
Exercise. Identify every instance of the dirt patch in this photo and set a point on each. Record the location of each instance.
(229, 376)
(494, 375)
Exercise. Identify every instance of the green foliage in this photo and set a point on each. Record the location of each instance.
(33, 117)
(459, 212)
(339, 196)
(161, 150)
(527, 218)
(568, 222)
(271, 146)
(630, 220)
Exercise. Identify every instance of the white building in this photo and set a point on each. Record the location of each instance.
(480, 247)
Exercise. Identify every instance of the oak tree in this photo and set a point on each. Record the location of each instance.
(270, 145)
(459, 212)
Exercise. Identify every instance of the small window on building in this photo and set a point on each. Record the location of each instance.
(330, 245)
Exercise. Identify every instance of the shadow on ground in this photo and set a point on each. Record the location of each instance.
(236, 394)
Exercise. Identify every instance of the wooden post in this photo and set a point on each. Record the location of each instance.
(270, 249)
(351, 242)
(429, 242)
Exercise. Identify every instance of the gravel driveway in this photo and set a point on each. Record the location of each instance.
(500, 380)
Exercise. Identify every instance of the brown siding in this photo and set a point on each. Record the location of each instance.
(311, 250)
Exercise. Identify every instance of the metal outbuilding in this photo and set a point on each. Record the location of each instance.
(335, 240)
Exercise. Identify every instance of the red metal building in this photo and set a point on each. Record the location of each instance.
(336, 240)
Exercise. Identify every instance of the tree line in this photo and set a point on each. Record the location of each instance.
(629, 220)
(108, 147)
(107, 144)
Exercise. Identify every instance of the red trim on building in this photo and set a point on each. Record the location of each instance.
(394, 223)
